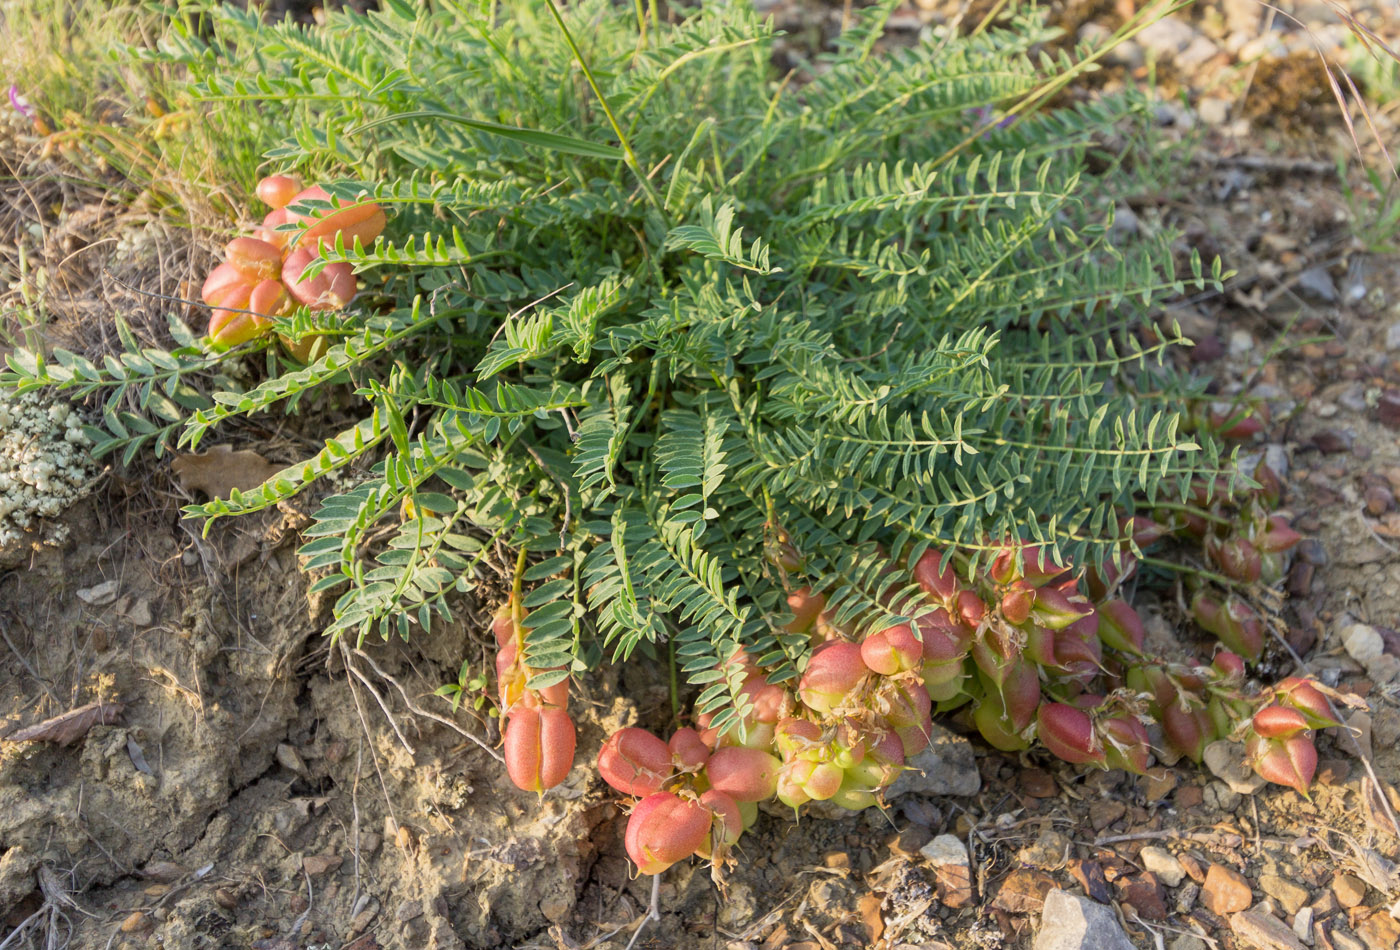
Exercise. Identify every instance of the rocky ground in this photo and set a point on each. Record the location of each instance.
(232, 780)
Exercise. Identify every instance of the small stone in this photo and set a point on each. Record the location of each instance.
(408, 910)
(1144, 893)
(1228, 762)
(945, 850)
(1290, 896)
(1162, 863)
(1090, 876)
(1222, 797)
(1194, 868)
(1315, 282)
(318, 864)
(1388, 408)
(1362, 642)
(290, 759)
(837, 861)
(1258, 929)
(954, 885)
(1187, 897)
(1392, 336)
(1023, 891)
(1379, 500)
(1303, 925)
(225, 898)
(1226, 891)
(1350, 890)
(1049, 851)
(947, 766)
(1159, 783)
(1188, 796)
(1103, 814)
(1380, 931)
(1241, 342)
(1214, 111)
(1187, 942)
(1332, 441)
(137, 923)
(1038, 783)
(1069, 922)
(100, 595)
(1341, 939)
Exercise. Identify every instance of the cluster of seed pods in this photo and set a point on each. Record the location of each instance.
(539, 735)
(263, 275)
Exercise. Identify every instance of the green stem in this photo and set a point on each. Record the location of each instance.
(631, 156)
(1193, 510)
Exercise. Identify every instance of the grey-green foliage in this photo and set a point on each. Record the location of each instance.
(844, 308)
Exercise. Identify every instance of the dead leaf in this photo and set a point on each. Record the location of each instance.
(869, 910)
(71, 726)
(138, 757)
(219, 471)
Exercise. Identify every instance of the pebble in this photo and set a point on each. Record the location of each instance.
(137, 922)
(1258, 929)
(1290, 896)
(943, 850)
(1069, 922)
(1241, 342)
(1392, 336)
(946, 767)
(1187, 942)
(1226, 891)
(1214, 111)
(1024, 891)
(1049, 851)
(1380, 931)
(1317, 283)
(1350, 890)
(1103, 814)
(100, 595)
(1162, 863)
(1227, 761)
(1388, 408)
(1222, 797)
(1303, 925)
(1363, 642)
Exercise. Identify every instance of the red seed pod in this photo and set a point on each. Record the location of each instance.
(942, 638)
(231, 327)
(270, 299)
(352, 221)
(1056, 610)
(1278, 536)
(1271, 487)
(1239, 423)
(1279, 722)
(226, 284)
(665, 828)
(634, 762)
(904, 704)
(1303, 696)
(1078, 651)
(834, 670)
(1068, 733)
(1021, 693)
(970, 608)
(992, 722)
(1291, 761)
(332, 289)
(1188, 731)
(881, 765)
(770, 702)
(503, 626)
(539, 747)
(892, 650)
(1228, 666)
(554, 696)
(687, 749)
(940, 584)
(1120, 627)
(749, 775)
(1236, 558)
(1144, 530)
(277, 191)
(1040, 646)
(1004, 569)
(256, 260)
(1017, 602)
(806, 606)
(1126, 744)
(1038, 568)
(797, 737)
(1234, 623)
(726, 824)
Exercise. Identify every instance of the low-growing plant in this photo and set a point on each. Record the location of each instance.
(835, 392)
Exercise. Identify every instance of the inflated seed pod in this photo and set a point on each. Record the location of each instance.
(224, 284)
(1069, 733)
(1291, 761)
(941, 584)
(1302, 695)
(277, 191)
(748, 775)
(892, 650)
(350, 221)
(1120, 627)
(665, 828)
(1279, 722)
(834, 670)
(254, 259)
(688, 750)
(332, 289)
(634, 762)
(539, 747)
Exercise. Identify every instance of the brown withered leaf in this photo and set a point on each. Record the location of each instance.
(220, 470)
(72, 725)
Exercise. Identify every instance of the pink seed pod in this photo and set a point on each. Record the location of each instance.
(1103, 579)
(1120, 627)
(904, 704)
(688, 750)
(1126, 744)
(539, 747)
(939, 584)
(1145, 532)
(726, 823)
(834, 670)
(892, 650)
(1239, 423)
(1021, 693)
(1038, 568)
(268, 232)
(882, 765)
(749, 775)
(853, 795)
(503, 626)
(942, 639)
(224, 285)
(806, 606)
(1234, 623)
(1236, 558)
(1278, 536)
(270, 299)
(1078, 652)
(770, 702)
(848, 747)
(797, 737)
(256, 260)
(351, 221)
(665, 828)
(1056, 610)
(1291, 761)
(1068, 733)
(1040, 646)
(554, 696)
(277, 191)
(1279, 722)
(1303, 696)
(634, 762)
(332, 289)
(1003, 569)
(231, 327)
(1271, 486)
(1017, 602)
